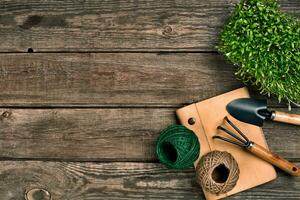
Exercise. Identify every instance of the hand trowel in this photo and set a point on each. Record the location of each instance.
(254, 111)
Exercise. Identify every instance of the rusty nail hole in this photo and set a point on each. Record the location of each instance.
(191, 121)
(6, 114)
(37, 194)
(30, 50)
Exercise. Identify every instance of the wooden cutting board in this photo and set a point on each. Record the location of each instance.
(208, 115)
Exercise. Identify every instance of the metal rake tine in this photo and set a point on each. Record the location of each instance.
(228, 140)
(231, 134)
(237, 130)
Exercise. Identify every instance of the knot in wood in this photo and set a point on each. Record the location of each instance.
(168, 31)
(37, 194)
(6, 114)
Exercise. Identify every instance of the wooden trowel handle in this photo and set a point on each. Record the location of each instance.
(274, 159)
(286, 118)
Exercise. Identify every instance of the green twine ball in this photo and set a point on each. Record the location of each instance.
(177, 147)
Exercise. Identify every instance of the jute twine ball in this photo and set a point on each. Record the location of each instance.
(177, 147)
(217, 172)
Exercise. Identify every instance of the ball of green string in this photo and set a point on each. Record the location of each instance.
(177, 147)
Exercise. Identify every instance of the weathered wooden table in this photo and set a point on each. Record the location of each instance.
(80, 115)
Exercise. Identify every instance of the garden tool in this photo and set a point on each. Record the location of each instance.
(257, 150)
(254, 111)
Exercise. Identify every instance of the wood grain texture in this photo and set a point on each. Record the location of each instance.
(104, 134)
(287, 118)
(274, 159)
(126, 180)
(112, 79)
(112, 105)
(91, 25)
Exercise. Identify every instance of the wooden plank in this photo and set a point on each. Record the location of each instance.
(91, 25)
(108, 79)
(105, 134)
(120, 181)
(112, 79)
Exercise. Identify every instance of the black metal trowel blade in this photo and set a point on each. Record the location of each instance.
(248, 110)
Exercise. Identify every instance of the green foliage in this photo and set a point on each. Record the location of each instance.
(264, 43)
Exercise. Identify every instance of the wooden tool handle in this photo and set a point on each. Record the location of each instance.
(287, 118)
(274, 159)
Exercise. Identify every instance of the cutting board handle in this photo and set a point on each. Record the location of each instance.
(287, 118)
(274, 159)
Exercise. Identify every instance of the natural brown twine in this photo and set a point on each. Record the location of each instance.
(217, 172)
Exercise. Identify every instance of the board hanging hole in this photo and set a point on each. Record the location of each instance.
(191, 121)
(295, 169)
(30, 50)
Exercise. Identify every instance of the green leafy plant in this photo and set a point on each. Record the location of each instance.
(264, 43)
